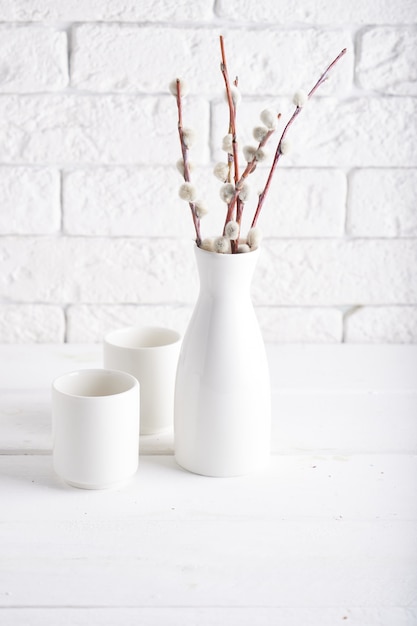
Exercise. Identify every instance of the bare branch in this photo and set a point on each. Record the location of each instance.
(278, 152)
(184, 151)
(232, 131)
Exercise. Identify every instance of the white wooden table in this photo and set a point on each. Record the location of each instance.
(326, 535)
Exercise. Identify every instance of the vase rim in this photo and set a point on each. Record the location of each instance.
(251, 254)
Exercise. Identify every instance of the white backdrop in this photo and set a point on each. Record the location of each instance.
(93, 234)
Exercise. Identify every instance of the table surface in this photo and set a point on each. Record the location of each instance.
(325, 535)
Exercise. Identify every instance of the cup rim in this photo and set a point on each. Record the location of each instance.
(128, 378)
(113, 337)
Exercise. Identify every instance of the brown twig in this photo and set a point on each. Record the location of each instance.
(278, 152)
(184, 152)
(250, 167)
(232, 131)
(232, 109)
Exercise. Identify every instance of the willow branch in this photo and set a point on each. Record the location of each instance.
(250, 167)
(184, 152)
(232, 110)
(278, 152)
(232, 131)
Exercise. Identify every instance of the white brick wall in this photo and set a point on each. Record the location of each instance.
(92, 232)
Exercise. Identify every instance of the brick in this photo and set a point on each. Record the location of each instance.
(31, 323)
(141, 202)
(104, 10)
(386, 60)
(382, 203)
(323, 12)
(396, 324)
(125, 201)
(32, 59)
(100, 270)
(29, 200)
(96, 129)
(145, 59)
(301, 203)
(358, 132)
(336, 272)
(89, 323)
(127, 58)
(300, 324)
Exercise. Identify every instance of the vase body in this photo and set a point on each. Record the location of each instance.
(222, 397)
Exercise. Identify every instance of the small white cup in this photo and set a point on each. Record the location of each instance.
(151, 355)
(95, 427)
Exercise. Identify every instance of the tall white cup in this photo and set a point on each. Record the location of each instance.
(95, 427)
(150, 354)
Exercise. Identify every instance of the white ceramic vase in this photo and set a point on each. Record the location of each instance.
(222, 396)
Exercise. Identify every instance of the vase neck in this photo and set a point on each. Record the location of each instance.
(226, 274)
